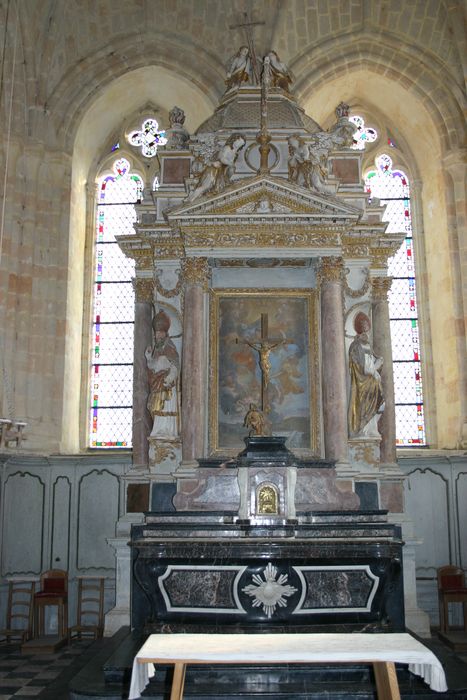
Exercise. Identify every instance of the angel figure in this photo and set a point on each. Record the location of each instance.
(216, 172)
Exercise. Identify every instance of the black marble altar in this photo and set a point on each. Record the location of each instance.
(296, 570)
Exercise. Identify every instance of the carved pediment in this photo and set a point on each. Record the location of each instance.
(265, 198)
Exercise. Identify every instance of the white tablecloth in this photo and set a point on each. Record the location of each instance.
(285, 648)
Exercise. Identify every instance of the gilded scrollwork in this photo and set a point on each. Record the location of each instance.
(196, 271)
(168, 251)
(261, 237)
(142, 256)
(163, 451)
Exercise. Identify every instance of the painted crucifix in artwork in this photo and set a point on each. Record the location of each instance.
(264, 346)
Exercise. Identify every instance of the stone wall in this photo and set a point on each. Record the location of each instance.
(71, 77)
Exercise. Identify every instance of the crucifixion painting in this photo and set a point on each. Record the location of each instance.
(262, 346)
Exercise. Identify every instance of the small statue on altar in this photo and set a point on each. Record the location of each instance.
(366, 391)
(255, 421)
(216, 172)
(239, 70)
(163, 363)
(281, 76)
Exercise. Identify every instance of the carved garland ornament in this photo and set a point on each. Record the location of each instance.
(355, 293)
(169, 293)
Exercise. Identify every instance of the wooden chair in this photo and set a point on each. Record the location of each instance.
(19, 615)
(53, 591)
(451, 589)
(90, 614)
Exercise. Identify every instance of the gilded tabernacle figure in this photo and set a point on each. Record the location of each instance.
(255, 421)
(163, 364)
(366, 392)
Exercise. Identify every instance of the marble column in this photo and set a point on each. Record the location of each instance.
(142, 424)
(382, 348)
(334, 374)
(195, 274)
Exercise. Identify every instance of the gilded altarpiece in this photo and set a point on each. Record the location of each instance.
(293, 386)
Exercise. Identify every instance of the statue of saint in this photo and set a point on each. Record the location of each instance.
(366, 392)
(163, 364)
(281, 77)
(217, 173)
(239, 69)
(255, 421)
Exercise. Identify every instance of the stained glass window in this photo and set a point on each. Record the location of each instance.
(391, 186)
(113, 318)
(364, 134)
(148, 138)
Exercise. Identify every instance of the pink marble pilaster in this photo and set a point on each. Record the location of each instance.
(333, 360)
(195, 272)
(382, 348)
(142, 423)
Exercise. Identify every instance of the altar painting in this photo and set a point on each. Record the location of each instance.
(238, 322)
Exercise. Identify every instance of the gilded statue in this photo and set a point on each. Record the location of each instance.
(163, 363)
(255, 421)
(366, 391)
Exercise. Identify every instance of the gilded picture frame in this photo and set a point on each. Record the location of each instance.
(236, 377)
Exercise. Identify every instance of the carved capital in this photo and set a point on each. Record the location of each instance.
(144, 289)
(380, 287)
(331, 269)
(196, 271)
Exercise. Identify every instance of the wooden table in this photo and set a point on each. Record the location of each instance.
(380, 650)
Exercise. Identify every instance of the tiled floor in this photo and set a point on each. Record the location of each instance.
(46, 676)
(24, 676)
